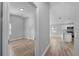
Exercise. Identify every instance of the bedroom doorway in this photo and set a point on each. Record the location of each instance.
(19, 29)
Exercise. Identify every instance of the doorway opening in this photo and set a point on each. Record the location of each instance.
(21, 40)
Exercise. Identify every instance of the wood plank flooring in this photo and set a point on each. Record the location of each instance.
(25, 47)
(59, 48)
(21, 47)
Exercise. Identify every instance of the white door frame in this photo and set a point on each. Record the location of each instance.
(5, 29)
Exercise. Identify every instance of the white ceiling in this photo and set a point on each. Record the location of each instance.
(28, 8)
(67, 11)
(64, 10)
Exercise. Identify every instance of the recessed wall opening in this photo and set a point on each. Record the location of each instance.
(21, 40)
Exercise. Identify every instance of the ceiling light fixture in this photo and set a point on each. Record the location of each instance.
(21, 9)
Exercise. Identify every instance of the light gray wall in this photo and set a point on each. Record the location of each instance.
(42, 27)
(17, 23)
(29, 25)
(61, 10)
(22, 26)
(76, 21)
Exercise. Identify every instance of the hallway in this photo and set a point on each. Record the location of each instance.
(59, 48)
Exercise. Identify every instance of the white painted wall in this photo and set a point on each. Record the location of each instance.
(76, 21)
(17, 27)
(22, 27)
(29, 25)
(63, 10)
(42, 27)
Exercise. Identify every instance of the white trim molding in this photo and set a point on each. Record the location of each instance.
(45, 50)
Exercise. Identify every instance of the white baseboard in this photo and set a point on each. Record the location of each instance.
(29, 37)
(45, 50)
(20, 38)
(16, 38)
